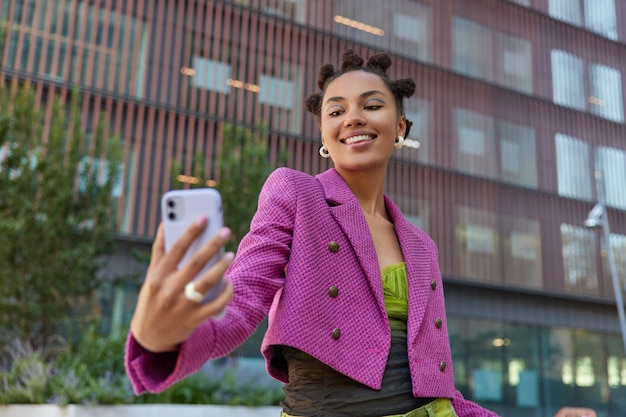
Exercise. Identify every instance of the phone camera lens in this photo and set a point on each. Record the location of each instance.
(172, 215)
(171, 203)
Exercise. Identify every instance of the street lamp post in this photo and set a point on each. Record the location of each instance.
(598, 217)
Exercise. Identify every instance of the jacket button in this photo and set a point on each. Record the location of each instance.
(333, 291)
(336, 333)
(438, 323)
(433, 285)
(333, 247)
(442, 366)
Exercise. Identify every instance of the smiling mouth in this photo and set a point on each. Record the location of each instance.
(356, 139)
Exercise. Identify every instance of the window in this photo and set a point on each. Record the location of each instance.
(472, 49)
(618, 247)
(515, 64)
(522, 252)
(211, 75)
(613, 163)
(279, 93)
(579, 260)
(573, 167)
(477, 244)
(276, 92)
(475, 134)
(518, 157)
(606, 92)
(488, 55)
(412, 30)
(294, 10)
(605, 86)
(568, 88)
(401, 26)
(598, 16)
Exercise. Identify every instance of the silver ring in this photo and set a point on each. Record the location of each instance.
(191, 294)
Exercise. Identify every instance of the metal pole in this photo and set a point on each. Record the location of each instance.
(617, 286)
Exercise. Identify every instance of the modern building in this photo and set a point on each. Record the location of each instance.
(519, 106)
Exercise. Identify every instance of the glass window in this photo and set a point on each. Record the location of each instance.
(613, 162)
(566, 10)
(473, 49)
(522, 2)
(522, 252)
(518, 157)
(521, 355)
(573, 167)
(477, 244)
(279, 93)
(606, 92)
(515, 69)
(211, 75)
(288, 9)
(475, 135)
(598, 16)
(618, 247)
(579, 260)
(361, 20)
(412, 30)
(486, 341)
(616, 371)
(601, 18)
(401, 26)
(568, 87)
(276, 92)
(557, 350)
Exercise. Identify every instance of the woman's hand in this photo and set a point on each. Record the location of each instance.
(164, 317)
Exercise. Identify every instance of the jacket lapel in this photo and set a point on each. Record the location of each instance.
(345, 209)
(418, 258)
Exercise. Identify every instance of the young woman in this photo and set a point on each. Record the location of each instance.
(357, 323)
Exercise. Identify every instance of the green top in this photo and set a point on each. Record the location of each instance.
(396, 290)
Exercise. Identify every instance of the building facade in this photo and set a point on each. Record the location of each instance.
(518, 131)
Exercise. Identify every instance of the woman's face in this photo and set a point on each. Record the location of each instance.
(360, 121)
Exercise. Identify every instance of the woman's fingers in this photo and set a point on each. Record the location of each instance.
(177, 251)
(203, 256)
(216, 306)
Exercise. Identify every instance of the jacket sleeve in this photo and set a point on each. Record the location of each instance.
(467, 408)
(256, 274)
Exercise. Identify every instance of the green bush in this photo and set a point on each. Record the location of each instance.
(91, 371)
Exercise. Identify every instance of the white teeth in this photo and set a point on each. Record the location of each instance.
(355, 139)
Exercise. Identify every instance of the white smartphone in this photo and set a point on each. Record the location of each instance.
(181, 208)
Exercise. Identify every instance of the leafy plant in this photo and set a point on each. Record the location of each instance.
(90, 370)
(56, 210)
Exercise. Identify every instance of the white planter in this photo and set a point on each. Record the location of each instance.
(148, 410)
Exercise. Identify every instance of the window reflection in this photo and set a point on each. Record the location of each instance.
(579, 260)
(606, 92)
(573, 167)
(613, 162)
(485, 54)
(476, 238)
(400, 26)
(599, 16)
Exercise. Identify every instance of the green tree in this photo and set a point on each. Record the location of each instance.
(244, 164)
(57, 215)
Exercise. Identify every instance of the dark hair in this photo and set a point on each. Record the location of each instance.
(377, 64)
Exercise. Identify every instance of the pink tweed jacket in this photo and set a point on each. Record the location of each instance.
(309, 262)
